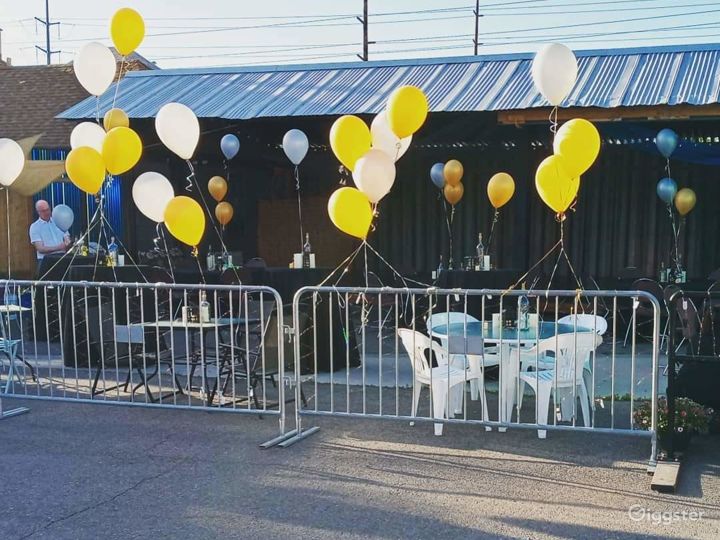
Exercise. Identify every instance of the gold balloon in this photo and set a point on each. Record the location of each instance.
(500, 189)
(86, 169)
(407, 109)
(685, 200)
(350, 139)
(217, 186)
(556, 187)
(453, 172)
(350, 211)
(115, 118)
(185, 220)
(224, 212)
(121, 150)
(127, 30)
(453, 194)
(578, 142)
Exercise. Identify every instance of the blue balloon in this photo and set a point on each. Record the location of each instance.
(666, 141)
(666, 190)
(295, 145)
(230, 145)
(437, 176)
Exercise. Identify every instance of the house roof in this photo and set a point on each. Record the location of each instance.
(33, 96)
(667, 75)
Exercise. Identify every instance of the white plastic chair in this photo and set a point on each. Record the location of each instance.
(440, 379)
(570, 352)
(461, 360)
(593, 323)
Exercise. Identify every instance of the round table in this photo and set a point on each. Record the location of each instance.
(492, 334)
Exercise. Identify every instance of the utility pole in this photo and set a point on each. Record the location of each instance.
(47, 50)
(477, 25)
(364, 22)
(1, 31)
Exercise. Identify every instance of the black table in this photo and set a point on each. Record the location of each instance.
(287, 281)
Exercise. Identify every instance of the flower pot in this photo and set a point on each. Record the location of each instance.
(680, 440)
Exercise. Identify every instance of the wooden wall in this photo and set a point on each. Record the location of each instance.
(22, 254)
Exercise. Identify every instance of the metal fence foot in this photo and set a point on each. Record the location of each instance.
(299, 437)
(280, 438)
(14, 412)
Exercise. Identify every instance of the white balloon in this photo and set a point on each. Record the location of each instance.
(63, 217)
(87, 134)
(95, 67)
(152, 192)
(12, 161)
(295, 145)
(554, 71)
(178, 129)
(384, 139)
(374, 174)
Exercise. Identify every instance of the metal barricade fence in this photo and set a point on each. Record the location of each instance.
(410, 353)
(204, 347)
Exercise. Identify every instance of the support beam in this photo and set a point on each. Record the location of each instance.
(657, 112)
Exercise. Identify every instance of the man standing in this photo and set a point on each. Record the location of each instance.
(45, 236)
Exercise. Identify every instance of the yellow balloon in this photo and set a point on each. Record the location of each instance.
(349, 139)
(185, 220)
(453, 194)
(685, 200)
(453, 172)
(127, 30)
(217, 186)
(121, 150)
(224, 212)
(556, 187)
(350, 211)
(115, 118)
(86, 169)
(578, 142)
(407, 109)
(500, 189)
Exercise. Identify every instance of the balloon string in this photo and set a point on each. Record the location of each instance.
(7, 217)
(166, 251)
(297, 189)
(674, 249)
(496, 218)
(117, 86)
(554, 121)
(195, 255)
(190, 177)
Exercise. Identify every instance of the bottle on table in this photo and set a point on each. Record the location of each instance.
(480, 252)
(663, 273)
(204, 308)
(523, 311)
(307, 250)
(210, 260)
(112, 252)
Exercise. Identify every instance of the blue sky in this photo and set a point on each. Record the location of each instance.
(184, 33)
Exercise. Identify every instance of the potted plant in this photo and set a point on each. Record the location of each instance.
(690, 418)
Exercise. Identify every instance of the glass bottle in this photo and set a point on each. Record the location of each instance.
(210, 260)
(112, 252)
(204, 308)
(523, 311)
(307, 250)
(480, 252)
(440, 267)
(663, 277)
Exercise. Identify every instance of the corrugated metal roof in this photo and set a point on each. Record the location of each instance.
(668, 75)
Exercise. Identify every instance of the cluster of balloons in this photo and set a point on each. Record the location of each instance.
(154, 196)
(96, 152)
(684, 199)
(12, 161)
(557, 179)
(95, 64)
(370, 154)
(217, 186)
(453, 189)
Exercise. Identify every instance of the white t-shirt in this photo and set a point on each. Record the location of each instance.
(46, 232)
